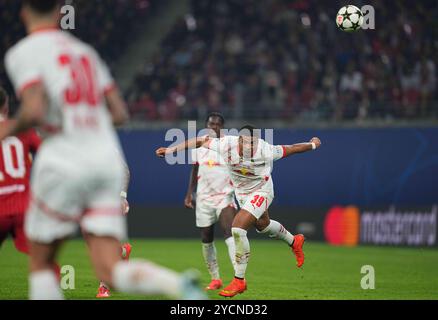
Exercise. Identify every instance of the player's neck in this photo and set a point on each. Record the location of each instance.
(41, 25)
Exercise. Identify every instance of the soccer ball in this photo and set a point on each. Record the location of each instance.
(349, 18)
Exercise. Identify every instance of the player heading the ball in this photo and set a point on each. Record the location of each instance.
(249, 161)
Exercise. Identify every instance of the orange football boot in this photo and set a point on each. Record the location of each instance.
(235, 287)
(103, 292)
(297, 249)
(127, 250)
(215, 284)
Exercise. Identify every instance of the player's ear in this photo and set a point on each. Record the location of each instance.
(57, 13)
(24, 14)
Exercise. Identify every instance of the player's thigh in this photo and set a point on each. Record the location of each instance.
(244, 220)
(226, 218)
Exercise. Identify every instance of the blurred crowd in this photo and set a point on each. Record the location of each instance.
(278, 59)
(96, 22)
(287, 59)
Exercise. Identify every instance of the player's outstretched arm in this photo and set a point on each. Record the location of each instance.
(31, 113)
(188, 144)
(314, 143)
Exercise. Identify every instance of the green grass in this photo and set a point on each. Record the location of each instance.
(329, 272)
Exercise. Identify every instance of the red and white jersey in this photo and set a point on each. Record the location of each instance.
(214, 183)
(75, 80)
(247, 175)
(15, 165)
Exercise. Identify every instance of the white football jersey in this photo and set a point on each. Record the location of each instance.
(247, 175)
(75, 80)
(214, 182)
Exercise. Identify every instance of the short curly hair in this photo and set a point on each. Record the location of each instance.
(215, 114)
(41, 6)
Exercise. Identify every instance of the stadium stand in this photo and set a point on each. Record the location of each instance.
(263, 59)
(96, 24)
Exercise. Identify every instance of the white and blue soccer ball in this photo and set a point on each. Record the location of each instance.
(349, 18)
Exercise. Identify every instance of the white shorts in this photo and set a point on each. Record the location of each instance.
(256, 202)
(70, 191)
(207, 215)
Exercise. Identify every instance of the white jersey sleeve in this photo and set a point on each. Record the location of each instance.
(222, 145)
(22, 70)
(273, 152)
(104, 78)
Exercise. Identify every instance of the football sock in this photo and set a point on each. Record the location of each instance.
(103, 284)
(242, 251)
(43, 285)
(142, 277)
(276, 230)
(231, 250)
(210, 258)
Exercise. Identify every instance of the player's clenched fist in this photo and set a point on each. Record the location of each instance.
(188, 202)
(316, 141)
(161, 152)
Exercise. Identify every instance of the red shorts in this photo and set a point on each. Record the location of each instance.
(14, 225)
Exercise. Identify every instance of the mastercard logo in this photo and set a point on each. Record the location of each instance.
(342, 226)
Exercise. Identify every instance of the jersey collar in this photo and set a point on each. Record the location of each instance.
(43, 29)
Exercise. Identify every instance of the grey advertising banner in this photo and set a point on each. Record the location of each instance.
(337, 225)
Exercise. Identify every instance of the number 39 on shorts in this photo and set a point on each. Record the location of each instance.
(258, 200)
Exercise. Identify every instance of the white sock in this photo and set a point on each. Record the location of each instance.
(242, 251)
(103, 284)
(142, 277)
(276, 230)
(44, 285)
(231, 250)
(210, 258)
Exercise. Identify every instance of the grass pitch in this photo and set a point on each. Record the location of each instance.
(328, 273)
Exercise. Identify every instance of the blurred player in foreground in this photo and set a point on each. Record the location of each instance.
(15, 165)
(66, 90)
(104, 290)
(214, 200)
(250, 160)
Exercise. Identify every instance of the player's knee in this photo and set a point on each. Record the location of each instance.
(207, 235)
(38, 263)
(227, 232)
